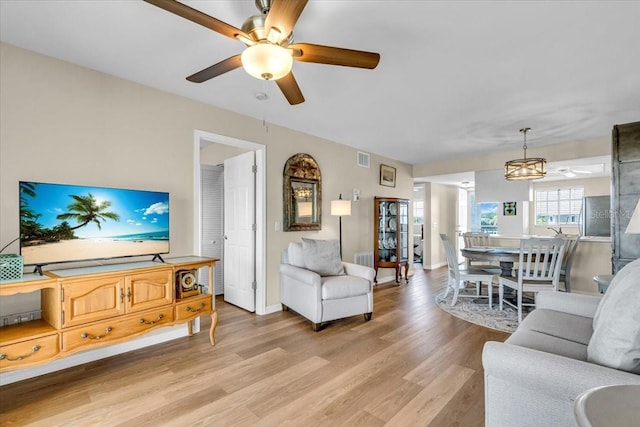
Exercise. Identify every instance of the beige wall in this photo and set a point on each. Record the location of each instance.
(63, 123)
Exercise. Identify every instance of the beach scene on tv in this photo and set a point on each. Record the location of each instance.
(62, 223)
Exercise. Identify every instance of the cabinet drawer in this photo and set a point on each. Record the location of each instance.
(26, 353)
(115, 329)
(193, 307)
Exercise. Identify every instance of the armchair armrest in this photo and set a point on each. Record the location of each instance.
(301, 275)
(577, 304)
(357, 270)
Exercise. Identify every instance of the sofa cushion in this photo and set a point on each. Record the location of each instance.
(560, 325)
(337, 287)
(322, 256)
(295, 254)
(548, 343)
(616, 326)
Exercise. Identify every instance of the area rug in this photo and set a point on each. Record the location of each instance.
(476, 310)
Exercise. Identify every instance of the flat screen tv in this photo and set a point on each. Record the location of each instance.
(67, 223)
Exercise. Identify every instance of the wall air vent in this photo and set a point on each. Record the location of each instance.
(363, 159)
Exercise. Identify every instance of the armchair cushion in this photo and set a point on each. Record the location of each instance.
(616, 326)
(322, 257)
(336, 287)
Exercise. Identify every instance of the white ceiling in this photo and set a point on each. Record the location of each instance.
(455, 78)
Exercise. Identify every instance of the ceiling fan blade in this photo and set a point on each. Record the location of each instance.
(307, 52)
(289, 87)
(198, 17)
(221, 67)
(283, 15)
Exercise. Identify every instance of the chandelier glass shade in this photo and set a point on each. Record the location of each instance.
(525, 168)
(267, 61)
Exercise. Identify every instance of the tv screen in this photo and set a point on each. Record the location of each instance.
(64, 223)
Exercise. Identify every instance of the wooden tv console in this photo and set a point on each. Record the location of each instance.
(88, 307)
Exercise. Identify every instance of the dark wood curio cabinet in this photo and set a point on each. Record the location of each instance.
(391, 235)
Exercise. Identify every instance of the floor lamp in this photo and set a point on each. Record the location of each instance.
(340, 208)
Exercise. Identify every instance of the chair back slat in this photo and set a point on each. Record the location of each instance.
(541, 259)
(475, 239)
(452, 260)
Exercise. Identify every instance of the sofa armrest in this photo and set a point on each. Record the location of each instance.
(357, 270)
(577, 304)
(556, 376)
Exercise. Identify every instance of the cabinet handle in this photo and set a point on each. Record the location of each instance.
(96, 337)
(121, 295)
(195, 310)
(33, 350)
(129, 294)
(152, 322)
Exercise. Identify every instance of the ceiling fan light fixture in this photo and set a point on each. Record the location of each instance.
(525, 168)
(267, 61)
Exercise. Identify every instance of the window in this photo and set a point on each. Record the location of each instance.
(484, 216)
(559, 206)
(418, 212)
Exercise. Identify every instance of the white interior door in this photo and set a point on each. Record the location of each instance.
(212, 203)
(239, 231)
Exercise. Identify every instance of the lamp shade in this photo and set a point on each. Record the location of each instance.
(341, 207)
(522, 169)
(267, 61)
(634, 223)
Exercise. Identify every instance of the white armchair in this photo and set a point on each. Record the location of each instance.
(322, 298)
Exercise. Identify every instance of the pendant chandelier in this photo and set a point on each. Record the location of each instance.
(525, 168)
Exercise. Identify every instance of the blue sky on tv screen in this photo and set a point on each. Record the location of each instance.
(142, 213)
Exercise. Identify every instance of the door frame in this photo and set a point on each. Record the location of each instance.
(202, 139)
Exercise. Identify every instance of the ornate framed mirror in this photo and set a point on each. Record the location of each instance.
(302, 194)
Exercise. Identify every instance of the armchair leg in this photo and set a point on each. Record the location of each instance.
(367, 316)
(316, 326)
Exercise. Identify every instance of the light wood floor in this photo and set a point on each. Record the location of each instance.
(411, 365)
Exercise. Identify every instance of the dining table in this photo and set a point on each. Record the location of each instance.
(505, 256)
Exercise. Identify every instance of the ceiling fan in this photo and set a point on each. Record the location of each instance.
(270, 50)
(584, 169)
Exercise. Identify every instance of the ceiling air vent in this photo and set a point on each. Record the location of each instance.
(363, 159)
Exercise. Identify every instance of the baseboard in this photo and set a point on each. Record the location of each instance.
(434, 266)
(272, 308)
(152, 338)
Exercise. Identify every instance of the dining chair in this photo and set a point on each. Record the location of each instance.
(457, 279)
(539, 265)
(479, 239)
(569, 252)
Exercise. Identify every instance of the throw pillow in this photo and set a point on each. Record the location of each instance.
(616, 325)
(295, 254)
(322, 256)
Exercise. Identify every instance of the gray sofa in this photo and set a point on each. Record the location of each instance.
(569, 344)
(320, 287)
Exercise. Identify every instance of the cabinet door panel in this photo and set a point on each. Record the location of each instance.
(149, 290)
(91, 300)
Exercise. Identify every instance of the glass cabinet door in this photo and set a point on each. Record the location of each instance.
(403, 230)
(391, 245)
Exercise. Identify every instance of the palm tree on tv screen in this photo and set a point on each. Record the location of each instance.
(85, 209)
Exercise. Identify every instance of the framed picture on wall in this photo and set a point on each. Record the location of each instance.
(387, 176)
(509, 209)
